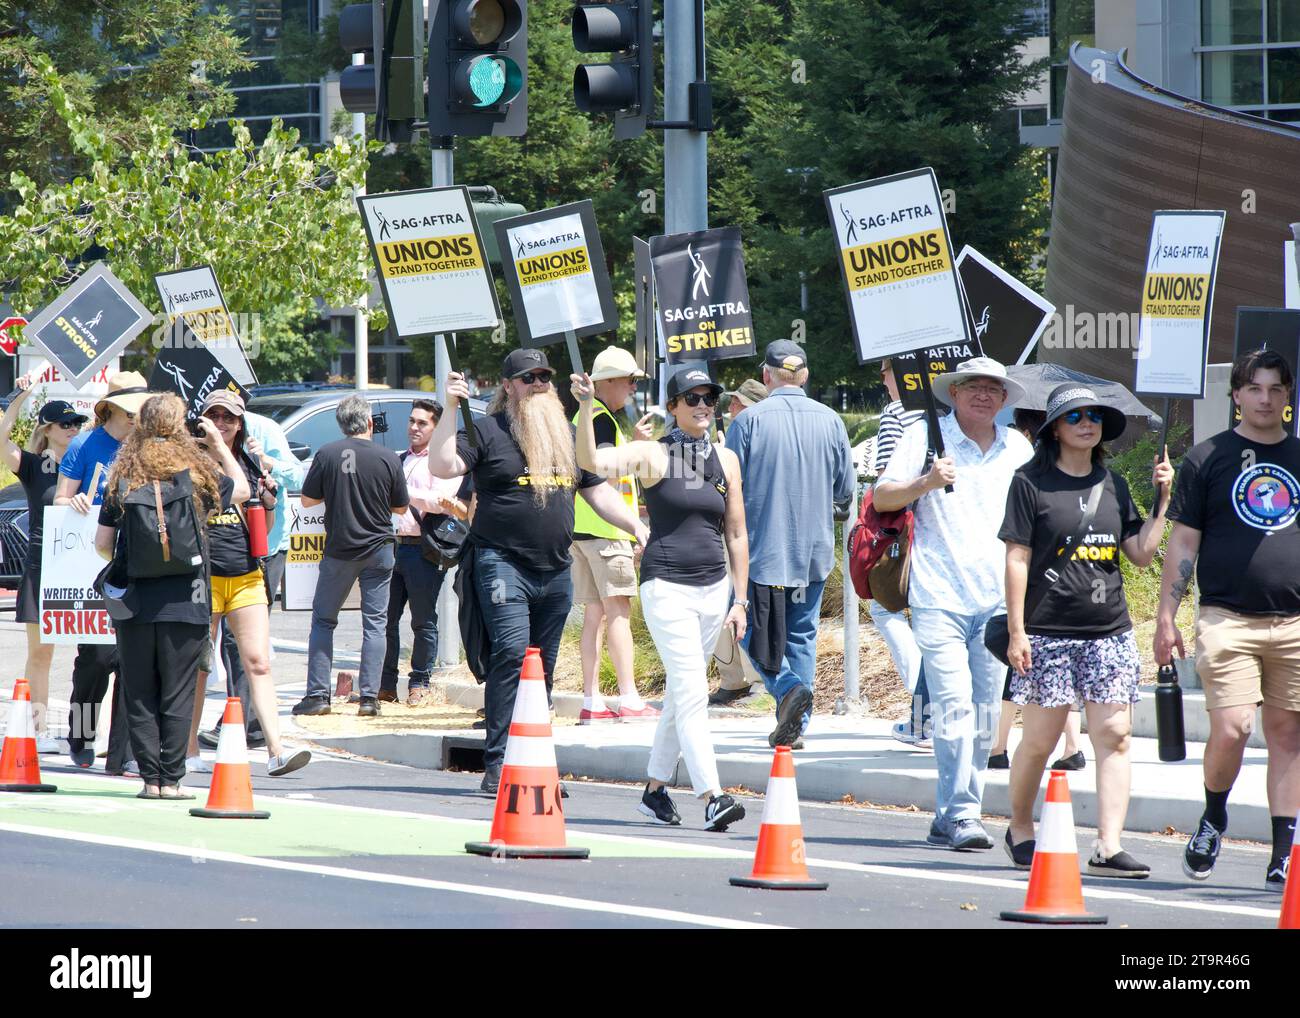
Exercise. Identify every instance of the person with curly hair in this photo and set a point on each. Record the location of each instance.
(162, 643)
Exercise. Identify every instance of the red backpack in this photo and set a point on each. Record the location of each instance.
(880, 551)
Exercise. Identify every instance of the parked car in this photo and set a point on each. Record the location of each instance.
(308, 417)
(13, 534)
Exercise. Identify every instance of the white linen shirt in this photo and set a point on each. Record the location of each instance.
(958, 563)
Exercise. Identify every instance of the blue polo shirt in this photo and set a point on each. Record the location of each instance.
(85, 452)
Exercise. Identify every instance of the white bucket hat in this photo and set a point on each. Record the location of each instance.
(614, 362)
(977, 367)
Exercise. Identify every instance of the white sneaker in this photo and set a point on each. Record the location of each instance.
(49, 744)
(197, 765)
(291, 760)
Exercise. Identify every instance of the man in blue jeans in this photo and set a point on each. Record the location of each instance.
(417, 581)
(956, 582)
(525, 478)
(795, 464)
(362, 485)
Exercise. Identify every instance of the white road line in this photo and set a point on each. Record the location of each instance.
(344, 873)
(908, 872)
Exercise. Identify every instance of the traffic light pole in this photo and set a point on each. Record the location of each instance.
(442, 176)
(360, 322)
(686, 152)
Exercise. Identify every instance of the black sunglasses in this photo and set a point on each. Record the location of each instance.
(533, 377)
(693, 398)
(1075, 416)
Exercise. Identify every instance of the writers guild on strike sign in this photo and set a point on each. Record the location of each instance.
(70, 610)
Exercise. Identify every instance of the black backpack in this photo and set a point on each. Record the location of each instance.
(162, 530)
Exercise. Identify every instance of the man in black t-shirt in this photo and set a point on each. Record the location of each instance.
(1234, 511)
(525, 471)
(362, 485)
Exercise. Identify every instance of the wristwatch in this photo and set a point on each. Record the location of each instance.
(743, 604)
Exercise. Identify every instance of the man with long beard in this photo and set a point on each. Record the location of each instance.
(525, 472)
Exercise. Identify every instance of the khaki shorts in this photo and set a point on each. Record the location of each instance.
(1245, 660)
(602, 569)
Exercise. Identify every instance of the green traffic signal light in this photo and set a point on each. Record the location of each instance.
(491, 80)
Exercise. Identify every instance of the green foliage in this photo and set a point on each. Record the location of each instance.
(894, 86)
(276, 222)
(860, 426)
(132, 61)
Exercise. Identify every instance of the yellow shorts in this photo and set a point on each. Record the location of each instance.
(230, 593)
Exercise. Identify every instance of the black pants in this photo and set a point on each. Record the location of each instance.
(160, 668)
(236, 678)
(91, 670)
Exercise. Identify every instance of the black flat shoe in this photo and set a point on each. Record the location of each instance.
(1022, 855)
(1074, 762)
(999, 762)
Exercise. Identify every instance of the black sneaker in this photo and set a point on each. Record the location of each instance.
(209, 737)
(369, 707)
(1073, 762)
(999, 762)
(1202, 851)
(491, 780)
(1121, 864)
(310, 706)
(789, 716)
(722, 697)
(1022, 855)
(723, 811)
(658, 807)
(83, 757)
(1275, 878)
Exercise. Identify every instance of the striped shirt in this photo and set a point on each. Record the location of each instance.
(893, 419)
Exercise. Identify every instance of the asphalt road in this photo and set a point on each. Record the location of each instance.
(353, 843)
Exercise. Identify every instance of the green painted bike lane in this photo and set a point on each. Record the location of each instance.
(297, 827)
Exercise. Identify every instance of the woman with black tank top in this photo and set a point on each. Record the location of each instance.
(692, 492)
(37, 467)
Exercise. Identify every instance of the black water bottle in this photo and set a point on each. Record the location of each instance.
(1169, 715)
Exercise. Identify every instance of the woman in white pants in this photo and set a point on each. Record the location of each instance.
(692, 492)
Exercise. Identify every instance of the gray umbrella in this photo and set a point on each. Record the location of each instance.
(1040, 379)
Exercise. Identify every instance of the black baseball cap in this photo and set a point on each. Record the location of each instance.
(520, 362)
(786, 354)
(690, 377)
(58, 411)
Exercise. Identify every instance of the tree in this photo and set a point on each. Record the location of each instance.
(132, 62)
(277, 223)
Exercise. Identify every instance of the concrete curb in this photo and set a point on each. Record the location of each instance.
(861, 761)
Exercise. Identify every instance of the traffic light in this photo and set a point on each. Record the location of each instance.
(478, 68)
(624, 87)
(391, 85)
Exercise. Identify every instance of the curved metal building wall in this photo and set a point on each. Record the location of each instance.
(1127, 149)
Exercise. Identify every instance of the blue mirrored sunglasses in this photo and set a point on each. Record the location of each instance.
(1075, 416)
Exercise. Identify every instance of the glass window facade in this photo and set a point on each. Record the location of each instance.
(1250, 56)
(263, 24)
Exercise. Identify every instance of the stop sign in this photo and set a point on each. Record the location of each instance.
(8, 341)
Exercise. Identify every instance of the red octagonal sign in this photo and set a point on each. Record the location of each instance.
(8, 341)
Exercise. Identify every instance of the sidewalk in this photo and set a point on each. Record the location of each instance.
(845, 756)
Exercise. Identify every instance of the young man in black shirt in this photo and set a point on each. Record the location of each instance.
(1234, 510)
(525, 473)
(362, 485)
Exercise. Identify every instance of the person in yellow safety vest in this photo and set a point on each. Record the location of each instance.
(604, 575)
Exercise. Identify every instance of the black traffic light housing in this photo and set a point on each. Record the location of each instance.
(625, 86)
(391, 84)
(478, 68)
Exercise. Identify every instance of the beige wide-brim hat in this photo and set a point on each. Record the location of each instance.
(128, 391)
(977, 367)
(615, 362)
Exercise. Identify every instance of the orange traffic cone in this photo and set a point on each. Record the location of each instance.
(1290, 918)
(1055, 891)
(20, 768)
(231, 792)
(779, 858)
(529, 820)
